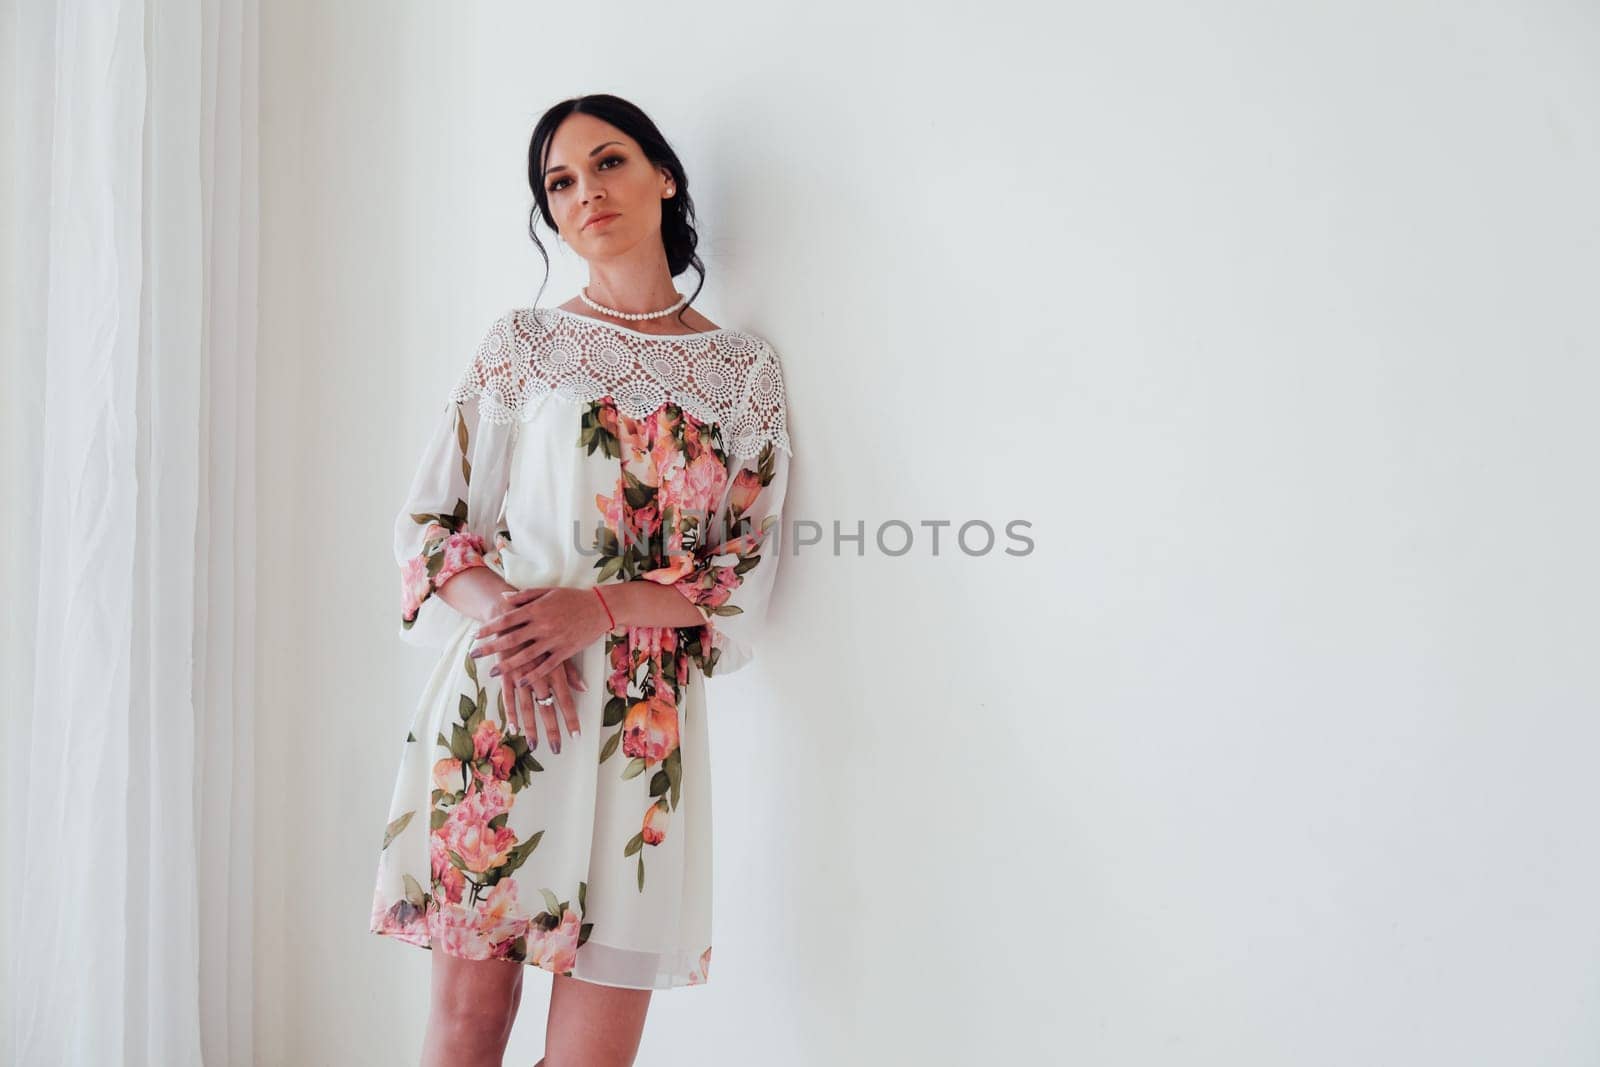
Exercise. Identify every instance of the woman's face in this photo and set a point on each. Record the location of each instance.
(595, 170)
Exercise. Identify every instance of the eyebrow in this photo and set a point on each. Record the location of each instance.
(562, 166)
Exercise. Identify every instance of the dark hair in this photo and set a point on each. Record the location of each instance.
(677, 211)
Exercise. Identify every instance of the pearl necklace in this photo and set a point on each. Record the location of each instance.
(634, 316)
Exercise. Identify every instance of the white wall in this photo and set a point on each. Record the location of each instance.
(1277, 325)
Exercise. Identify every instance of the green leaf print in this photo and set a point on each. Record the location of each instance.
(414, 892)
(583, 895)
(660, 782)
(635, 843)
(634, 768)
(673, 766)
(395, 827)
(460, 743)
(551, 904)
(616, 711)
(518, 855)
(610, 746)
(641, 874)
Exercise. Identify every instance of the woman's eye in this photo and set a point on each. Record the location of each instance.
(557, 184)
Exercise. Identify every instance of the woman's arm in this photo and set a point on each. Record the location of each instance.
(642, 602)
(475, 592)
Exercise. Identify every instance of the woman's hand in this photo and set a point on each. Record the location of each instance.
(538, 633)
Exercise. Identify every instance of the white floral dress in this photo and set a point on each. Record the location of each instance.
(577, 452)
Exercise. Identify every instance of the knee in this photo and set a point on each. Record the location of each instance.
(474, 1016)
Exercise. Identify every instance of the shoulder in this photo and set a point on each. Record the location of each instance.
(497, 367)
(766, 362)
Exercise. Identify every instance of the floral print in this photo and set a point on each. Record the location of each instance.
(664, 522)
(448, 547)
(592, 862)
(471, 908)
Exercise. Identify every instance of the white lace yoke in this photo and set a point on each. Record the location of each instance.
(727, 377)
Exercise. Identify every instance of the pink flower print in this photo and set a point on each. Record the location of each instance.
(403, 918)
(493, 794)
(462, 550)
(613, 508)
(447, 774)
(664, 424)
(631, 436)
(449, 882)
(502, 760)
(746, 487)
(499, 919)
(727, 580)
(702, 972)
(707, 477)
(667, 459)
(414, 586)
(679, 567)
(457, 931)
(468, 834)
(645, 640)
(655, 824)
(485, 739)
(644, 523)
(650, 729)
(555, 949)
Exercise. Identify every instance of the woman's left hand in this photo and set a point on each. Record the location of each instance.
(540, 628)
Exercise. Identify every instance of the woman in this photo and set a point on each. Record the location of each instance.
(627, 460)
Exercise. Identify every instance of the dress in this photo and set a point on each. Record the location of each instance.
(575, 452)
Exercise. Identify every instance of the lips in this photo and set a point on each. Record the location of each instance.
(600, 218)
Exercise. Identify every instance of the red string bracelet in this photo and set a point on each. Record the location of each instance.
(603, 604)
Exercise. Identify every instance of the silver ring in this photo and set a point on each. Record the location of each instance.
(544, 701)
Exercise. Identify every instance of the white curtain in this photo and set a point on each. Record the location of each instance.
(129, 324)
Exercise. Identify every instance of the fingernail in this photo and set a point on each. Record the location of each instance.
(494, 670)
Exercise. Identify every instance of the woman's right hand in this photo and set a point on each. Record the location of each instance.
(480, 593)
(522, 694)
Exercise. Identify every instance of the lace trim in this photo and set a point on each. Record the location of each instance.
(727, 377)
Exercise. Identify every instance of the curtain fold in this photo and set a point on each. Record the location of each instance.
(130, 744)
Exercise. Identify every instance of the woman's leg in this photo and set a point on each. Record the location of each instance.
(471, 1010)
(593, 1025)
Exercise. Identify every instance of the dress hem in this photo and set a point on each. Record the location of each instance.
(675, 981)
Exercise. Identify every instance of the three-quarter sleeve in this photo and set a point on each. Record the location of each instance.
(734, 566)
(727, 565)
(452, 508)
